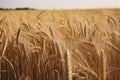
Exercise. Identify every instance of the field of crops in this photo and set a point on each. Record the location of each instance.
(60, 44)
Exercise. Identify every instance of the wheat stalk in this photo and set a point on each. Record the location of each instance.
(68, 72)
(5, 46)
(17, 37)
(104, 59)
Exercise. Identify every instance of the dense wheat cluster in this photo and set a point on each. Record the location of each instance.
(60, 45)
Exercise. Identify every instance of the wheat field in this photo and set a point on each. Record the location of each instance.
(60, 44)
